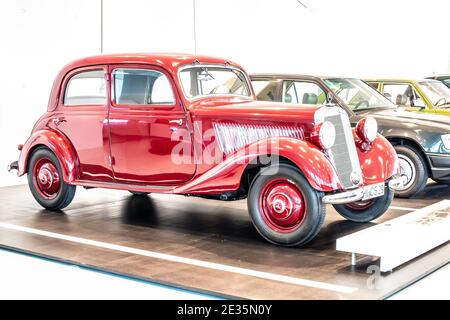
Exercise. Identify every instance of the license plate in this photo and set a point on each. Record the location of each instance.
(373, 191)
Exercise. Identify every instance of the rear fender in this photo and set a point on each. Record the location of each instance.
(226, 175)
(58, 144)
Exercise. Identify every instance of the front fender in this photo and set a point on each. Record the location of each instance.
(58, 144)
(226, 175)
(379, 162)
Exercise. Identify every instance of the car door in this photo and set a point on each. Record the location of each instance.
(82, 116)
(148, 128)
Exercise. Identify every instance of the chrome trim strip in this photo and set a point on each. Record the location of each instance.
(443, 155)
(122, 186)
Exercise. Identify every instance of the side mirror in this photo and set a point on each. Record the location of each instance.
(419, 103)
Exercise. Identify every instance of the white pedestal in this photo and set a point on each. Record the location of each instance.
(399, 240)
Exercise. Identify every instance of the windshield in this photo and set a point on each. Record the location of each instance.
(357, 94)
(436, 92)
(211, 80)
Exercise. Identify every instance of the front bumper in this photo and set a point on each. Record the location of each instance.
(440, 165)
(358, 194)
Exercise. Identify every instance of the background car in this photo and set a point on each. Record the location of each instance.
(422, 141)
(445, 79)
(423, 95)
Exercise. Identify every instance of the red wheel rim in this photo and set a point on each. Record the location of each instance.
(360, 205)
(282, 205)
(46, 178)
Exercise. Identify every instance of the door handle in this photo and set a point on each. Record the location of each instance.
(178, 121)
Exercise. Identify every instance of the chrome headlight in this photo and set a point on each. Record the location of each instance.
(367, 129)
(446, 141)
(327, 134)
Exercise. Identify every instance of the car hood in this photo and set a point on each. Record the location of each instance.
(250, 109)
(406, 118)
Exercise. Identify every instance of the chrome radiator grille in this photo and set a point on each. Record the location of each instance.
(232, 137)
(343, 154)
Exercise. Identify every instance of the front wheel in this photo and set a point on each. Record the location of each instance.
(414, 168)
(283, 206)
(365, 211)
(46, 182)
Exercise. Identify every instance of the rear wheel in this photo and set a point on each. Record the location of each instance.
(283, 206)
(365, 211)
(45, 181)
(414, 168)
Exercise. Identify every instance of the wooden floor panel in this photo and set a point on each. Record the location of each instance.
(206, 230)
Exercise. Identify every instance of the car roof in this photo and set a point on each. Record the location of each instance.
(294, 76)
(440, 77)
(407, 80)
(168, 60)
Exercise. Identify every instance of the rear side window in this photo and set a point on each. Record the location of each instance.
(374, 85)
(142, 87)
(303, 93)
(265, 90)
(86, 88)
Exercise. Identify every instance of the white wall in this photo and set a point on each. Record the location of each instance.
(36, 39)
(345, 37)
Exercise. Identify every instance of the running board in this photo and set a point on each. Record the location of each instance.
(124, 186)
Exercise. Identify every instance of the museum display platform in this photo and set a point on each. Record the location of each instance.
(205, 245)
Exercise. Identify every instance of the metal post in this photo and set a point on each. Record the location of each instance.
(353, 259)
(101, 26)
(195, 27)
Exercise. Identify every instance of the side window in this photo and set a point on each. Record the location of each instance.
(290, 92)
(265, 90)
(304, 93)
(373, 85)
(447, 82)
(142, 87)
(401, 94)
(86, 88)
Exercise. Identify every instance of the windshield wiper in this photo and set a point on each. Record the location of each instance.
(204, 75)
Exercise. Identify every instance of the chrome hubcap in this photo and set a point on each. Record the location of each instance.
(408, 170)
(46, 178)
(282, 205)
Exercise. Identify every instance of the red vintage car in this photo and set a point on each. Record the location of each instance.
(188, 124)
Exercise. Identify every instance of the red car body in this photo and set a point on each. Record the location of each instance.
(130, 147)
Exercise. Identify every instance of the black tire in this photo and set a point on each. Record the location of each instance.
(64, 194)
(366, 211)
(411, 157)
(137, 193)
(314, 214)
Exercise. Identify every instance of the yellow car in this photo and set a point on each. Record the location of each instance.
(424, 95)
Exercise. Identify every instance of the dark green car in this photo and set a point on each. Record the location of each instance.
(422, 140)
